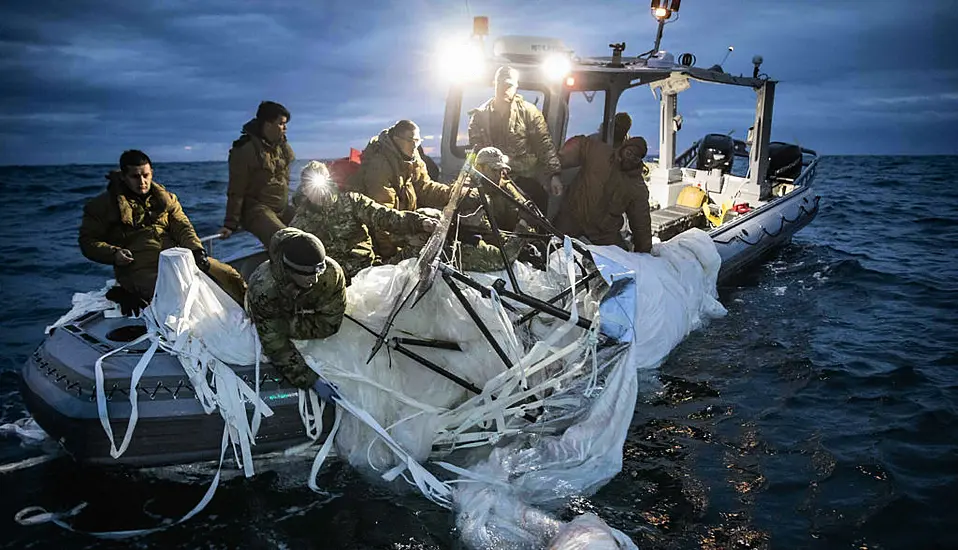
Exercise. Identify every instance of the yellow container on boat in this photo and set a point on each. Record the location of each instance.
(691, 196)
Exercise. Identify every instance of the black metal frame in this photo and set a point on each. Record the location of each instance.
(453, 278)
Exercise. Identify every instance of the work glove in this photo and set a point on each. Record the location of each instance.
(531, 255)
(470, 239)
(326, 391)
(130, 304)
(202, 260)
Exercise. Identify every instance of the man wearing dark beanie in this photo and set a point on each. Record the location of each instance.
(257, 198)
(298, 294)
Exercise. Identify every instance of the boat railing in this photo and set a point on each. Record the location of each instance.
(208, 242)
(688, 157)
(807, 173)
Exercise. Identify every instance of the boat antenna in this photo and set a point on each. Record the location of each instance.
(728, 53)
(662, 11)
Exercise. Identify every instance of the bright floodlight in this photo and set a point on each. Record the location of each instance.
(663, 9)
(556, 66)
(461, 61)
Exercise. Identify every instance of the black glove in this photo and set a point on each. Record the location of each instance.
(470, 238)
(532, 255)
(202, 260)
(130, 303)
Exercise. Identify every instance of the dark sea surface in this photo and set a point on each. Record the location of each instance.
(822, 412)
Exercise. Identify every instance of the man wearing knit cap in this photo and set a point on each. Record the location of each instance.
(298, 294)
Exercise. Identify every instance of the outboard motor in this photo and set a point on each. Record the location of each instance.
(784, 160)
(716, 151)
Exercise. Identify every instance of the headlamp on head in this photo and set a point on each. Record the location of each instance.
(304, 270)
(315, 182)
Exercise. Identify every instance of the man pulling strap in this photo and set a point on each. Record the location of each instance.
(299, 293)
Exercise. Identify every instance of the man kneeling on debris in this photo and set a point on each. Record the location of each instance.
(298, 294)
(344, 219)
(129, 224)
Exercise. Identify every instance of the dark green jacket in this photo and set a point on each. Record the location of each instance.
(145, 226)
(259, 175)
(282, 311)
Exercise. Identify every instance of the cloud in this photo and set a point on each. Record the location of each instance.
(89, 78)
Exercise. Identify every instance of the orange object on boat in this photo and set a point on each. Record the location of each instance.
(341, 169)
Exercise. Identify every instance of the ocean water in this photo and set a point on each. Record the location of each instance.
(822, 412)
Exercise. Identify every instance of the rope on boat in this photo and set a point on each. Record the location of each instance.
(27, 463)
(36, 515)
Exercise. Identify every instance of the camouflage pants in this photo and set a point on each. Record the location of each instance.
(480, 257)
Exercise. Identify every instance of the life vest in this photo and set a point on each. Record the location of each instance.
(341, 169)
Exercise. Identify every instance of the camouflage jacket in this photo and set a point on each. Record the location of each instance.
(143, 225)
(484, 257)
(283, 312)
(526, 140)
(344, 223)
(259, 174)
(505, 212)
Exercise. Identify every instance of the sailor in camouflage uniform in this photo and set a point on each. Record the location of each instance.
(298, 293)
(344, 220)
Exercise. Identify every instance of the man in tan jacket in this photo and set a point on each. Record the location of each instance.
(131, 222)
(610, 184)
(393, 174)
(259, 162)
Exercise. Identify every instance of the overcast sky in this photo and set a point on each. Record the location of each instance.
(83, 80)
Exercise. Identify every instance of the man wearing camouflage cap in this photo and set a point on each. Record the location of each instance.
(475, 252)
(492, 167)
(298, 294)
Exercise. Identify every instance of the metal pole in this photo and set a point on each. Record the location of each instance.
(475, 318)
(658, 37)
(558, 297)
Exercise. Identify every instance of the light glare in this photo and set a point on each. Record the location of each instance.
(461, 61)
(556, 66)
